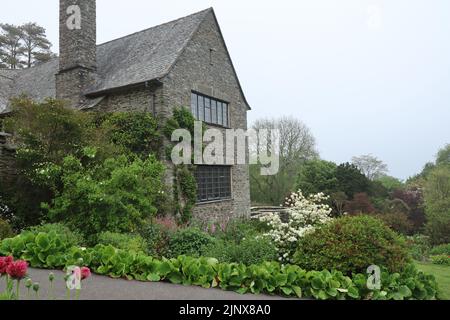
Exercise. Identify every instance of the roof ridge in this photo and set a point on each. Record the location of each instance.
(159, 25)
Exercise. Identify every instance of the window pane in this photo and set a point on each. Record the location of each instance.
(207, 110)
(194, 105)
(225, 115)
(214, 111)
(219, 113)
(214, 183)
(201, 108)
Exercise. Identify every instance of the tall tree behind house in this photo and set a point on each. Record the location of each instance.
(23, 46)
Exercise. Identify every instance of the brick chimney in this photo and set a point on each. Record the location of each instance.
(77, 49)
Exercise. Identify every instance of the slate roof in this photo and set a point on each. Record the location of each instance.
(142, 56)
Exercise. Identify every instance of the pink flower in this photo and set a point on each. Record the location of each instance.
(85, 273)
(17, 270)
(4, 263)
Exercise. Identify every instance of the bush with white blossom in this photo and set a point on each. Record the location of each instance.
(304, 215)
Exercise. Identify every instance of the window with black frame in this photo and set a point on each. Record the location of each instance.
(210, 110)
(213, 182)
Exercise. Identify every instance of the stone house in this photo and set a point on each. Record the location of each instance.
(180, 63)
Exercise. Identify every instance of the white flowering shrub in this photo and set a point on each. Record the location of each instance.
(304, 215)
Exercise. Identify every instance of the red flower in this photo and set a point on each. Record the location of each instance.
(17, 270)
(85, 273)
(4, 263)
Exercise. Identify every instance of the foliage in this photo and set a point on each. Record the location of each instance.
(441, 259)
(441, 273)
(437, 205)
(157, 237)
(72, 238)
(350, 180)
(5, 230)
(188, 241)
(317, 176)
(390, 183)
(442, 249)
(116, 196)
(185, 185)
(296, 145)
(360, 204)
(419, 247)
(128, 242)
(133, 132)
(237, 229)
(371, 166)
(251, 250)
(41, 250)
(267, 277)
(351, 245)
(23, 46)
(304, 215)
(413, 198)
(398, 222)
(443, 156)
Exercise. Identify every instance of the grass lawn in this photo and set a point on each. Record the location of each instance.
(442, 274)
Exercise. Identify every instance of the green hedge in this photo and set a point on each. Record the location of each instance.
(47, 250)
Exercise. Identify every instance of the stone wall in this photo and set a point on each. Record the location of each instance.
(205, 67)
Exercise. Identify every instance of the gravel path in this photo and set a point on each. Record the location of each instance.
(104, 288)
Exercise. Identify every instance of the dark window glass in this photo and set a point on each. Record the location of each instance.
(201, 108)
(214, 183)
(194, 106)
(209, 110)
(214, 111)
(220, 113)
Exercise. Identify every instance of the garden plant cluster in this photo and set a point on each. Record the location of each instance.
(90, 192)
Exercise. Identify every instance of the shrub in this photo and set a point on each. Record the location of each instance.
(442, 249)
(437, 205)
(157, 235)
(304, 215)
(419, 247)
(248, 251)
(267, 277)
(441, 259)
(237, 229)
(68, 236)
(127, 242)
(116, 196)
(398, 222)
(189, 241)
(352, 244)
(5, 230)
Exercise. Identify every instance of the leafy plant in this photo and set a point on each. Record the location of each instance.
(351, 245)
(116, 196)
(441, 259)
(5, 230)
(266, 277)
(123, 241)
(188, 241)
(67, 236)
(248, 251)
(441, 249)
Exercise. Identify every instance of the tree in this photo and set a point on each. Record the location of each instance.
(390, 183)
(437, 205)
(23, 46)
(317, 176)
(36, 44)
(371, 166)
(443, 156)
(11, 46)
(350, 180)
(359, 205)
(413, 198)
(296, 145)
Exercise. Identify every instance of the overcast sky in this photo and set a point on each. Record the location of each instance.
(367, 76)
